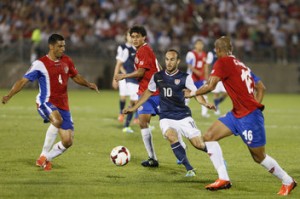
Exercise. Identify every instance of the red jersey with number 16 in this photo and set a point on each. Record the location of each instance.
(145, 58)
(238, 83)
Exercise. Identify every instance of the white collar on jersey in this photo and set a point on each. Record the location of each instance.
(172, 73)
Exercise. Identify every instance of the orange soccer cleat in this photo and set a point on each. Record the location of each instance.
(219, 184)
(47, 166)
(121, 118)
(41, 161)
(286, 189)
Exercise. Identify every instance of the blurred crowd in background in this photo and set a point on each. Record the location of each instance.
(259, 28)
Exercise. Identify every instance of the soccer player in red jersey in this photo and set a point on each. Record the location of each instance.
(196, 61)
(52, 72)
(146, 65)
(245, 119)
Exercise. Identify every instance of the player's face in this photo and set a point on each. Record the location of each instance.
(171, 61)
(199, 46)
(137, 39)
(58, 48)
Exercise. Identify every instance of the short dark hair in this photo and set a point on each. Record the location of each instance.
(175, 51)
(138, 29)
(54, 38)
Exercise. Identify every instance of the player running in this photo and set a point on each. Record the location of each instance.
(246, 118)
(146, 65)
(176, 118)
(52, 72)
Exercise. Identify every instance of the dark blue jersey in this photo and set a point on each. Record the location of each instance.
(126, 53)
(172, 101)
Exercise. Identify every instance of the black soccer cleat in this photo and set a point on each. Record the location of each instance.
(150, 163)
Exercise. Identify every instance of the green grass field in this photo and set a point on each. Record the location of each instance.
(85, 170)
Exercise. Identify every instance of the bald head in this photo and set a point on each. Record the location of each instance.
(223, 46)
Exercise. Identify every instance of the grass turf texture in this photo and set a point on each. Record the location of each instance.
(85, 170)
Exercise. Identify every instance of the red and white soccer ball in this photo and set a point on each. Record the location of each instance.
(120, 155)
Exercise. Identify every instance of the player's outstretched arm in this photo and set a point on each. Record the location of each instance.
(136, 74)
(15, 89)
(141, 101)
(78, 79)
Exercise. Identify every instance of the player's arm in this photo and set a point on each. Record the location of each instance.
(141, 101)
(135, 74)
(201, 100)
(206, 88)
(117, 70)
(78, 79)
(259, 91)
(15, 89)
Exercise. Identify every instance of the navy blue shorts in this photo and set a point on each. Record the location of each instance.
(47, 108)
(151, 106)
(250, 127)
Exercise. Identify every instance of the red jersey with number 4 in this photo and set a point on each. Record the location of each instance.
(238, 83)
(146, 59)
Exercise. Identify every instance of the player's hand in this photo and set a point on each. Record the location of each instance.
(119, 77)
(5, 99)
(93, 86)
(128, 110)
(187, 93)
(210, 106)
(115, 84)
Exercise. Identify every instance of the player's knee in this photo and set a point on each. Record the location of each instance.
(171, 136)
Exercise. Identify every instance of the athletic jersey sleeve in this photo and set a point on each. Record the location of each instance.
(190, 58)
(255, 78)
(152, 84)
(72, 70)
(33, 72)
(218, 70)
(189, 83)
(144, 61)
(119, 53)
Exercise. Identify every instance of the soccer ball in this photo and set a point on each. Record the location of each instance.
(120, 155)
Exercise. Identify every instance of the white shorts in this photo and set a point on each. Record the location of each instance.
(185, 127)
(128, 89)
(219, 88)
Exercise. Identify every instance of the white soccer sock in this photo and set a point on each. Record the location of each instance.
(50, 138)
(216, 156)
(57, 150)
(273, 167)
(148, 142)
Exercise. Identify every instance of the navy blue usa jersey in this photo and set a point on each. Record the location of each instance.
(172, 101)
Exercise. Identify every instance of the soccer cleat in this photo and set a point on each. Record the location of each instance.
(150, 163)
(219, 184)
(41, 161)
(127, 130)
(121, 118)
(190, 173)
(286, 189)
(47, 166)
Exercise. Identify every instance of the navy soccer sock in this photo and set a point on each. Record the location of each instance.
(128, 119)
(122, 105)
(180, 154)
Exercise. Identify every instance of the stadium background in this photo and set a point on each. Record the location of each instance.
(265, 33)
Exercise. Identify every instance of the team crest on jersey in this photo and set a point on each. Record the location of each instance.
(66, 69)
(177, 81)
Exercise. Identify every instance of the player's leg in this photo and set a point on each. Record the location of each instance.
(127, 128)
(271, 165)
(168, 128)
(132, 91)
(149, 108)
(122, 101)
(50, 114)
(216, 132)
